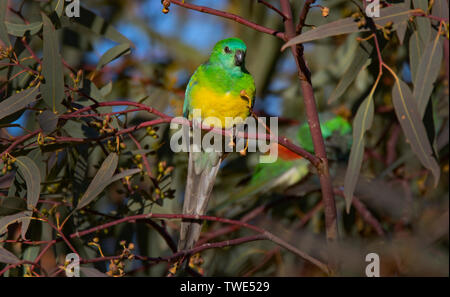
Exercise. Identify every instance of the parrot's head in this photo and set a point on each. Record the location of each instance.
(230, 53)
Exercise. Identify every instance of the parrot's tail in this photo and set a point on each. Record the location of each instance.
(202, 171)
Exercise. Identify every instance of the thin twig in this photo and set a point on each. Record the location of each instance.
(230, 16)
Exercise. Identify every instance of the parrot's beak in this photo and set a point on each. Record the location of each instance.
(239, 58)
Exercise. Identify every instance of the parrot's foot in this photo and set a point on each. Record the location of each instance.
(231, 143)
(173, 269)
(195, 262)
(243, 152)
(245, 96)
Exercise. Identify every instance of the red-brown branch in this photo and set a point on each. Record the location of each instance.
(230, 16)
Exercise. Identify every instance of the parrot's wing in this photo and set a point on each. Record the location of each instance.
(187, 98)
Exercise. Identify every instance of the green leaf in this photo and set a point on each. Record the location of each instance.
(422, 4)
(427, 73)
(11, 205)
(123, 174)
(395, 13)
(403, 26)
(89, 88)
(20, 30)
(32, 176)
(440, 9)
(98, 25)
(31, 252)
(18, 101)
(8, 257)
(52, 68)
(416, 49)
(101, 180)
(411, 122)
(3, 30)
(362, 122)
(106, 89)
(424, 29)
(114, 53)
(59, 7)
(48, 121)
(361, 56)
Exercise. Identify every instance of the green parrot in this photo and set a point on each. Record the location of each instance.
(221, 87)
(290, 168)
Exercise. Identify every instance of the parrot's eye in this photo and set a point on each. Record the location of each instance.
(227, 50)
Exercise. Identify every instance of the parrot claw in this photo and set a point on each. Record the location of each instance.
(243, 152)
(245, 96)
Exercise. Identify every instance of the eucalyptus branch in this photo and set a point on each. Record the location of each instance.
(316, 133)
(230, 16)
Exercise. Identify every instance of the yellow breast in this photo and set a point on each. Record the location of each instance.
(220, 106)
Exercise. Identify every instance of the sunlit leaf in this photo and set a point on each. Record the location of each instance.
(18, 101)
(52, 68)
(101, 180)
(362, 122)
(427, 73)
(411, 122)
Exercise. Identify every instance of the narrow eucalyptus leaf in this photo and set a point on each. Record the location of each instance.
(18, 101)
(101, 180)
(411, 122)
(52, 68)
(362, 122)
